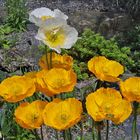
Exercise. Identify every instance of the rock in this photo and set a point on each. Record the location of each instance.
(111, 26)
(25, 53)
(2, 12)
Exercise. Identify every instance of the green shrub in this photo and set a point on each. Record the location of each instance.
(17, 13)
(91, 44)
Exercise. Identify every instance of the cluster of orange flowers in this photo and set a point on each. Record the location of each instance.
(103, 104)
(60, 78)
(109, 103)
(57, 77)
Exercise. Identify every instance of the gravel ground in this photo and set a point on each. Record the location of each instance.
(121, 132)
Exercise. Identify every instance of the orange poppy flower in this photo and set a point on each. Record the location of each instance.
(130, 89)
(56, 81)
(60, 80)
(31, 74)
(29, 115)
(17, 88)
(104, 69)
(62, 114)
(40, 84)
(107, 104)
(58, 61)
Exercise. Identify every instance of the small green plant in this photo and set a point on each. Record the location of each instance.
(91, 44)
(5, 42)
(17, 17)
(5, 29)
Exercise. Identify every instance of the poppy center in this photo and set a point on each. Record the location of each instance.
(16, 89)
(55, 37)
(43, 18)
(64, 118)
(109, 116)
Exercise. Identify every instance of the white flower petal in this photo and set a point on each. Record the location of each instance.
(40, 35)
(67, 35)
(53, 23)
(71, 36)
(36, 15)
(59, 14)
(39, 12)
(58, 49)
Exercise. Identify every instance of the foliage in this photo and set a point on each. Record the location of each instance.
(131, 39)
(91, 44)
(81, 70)
(17, 14)
(10, 130)
(5, 42)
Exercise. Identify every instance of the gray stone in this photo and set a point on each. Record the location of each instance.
(25, 53)
(2, 13)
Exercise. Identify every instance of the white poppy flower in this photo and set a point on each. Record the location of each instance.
(43, 13)
(56, 34)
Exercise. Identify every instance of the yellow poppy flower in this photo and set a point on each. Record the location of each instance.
(130, 89)
(17, 88)
(56, 34)
(39, 15)
(40, 84)
(58, 61)
(107, 104)
(60, 80)
(31, 74)
(62, 114)
(29, 115)
(56, 81)
(104, 69)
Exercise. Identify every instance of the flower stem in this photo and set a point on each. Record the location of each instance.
(56, 133)
(98, 125)
(81, 126)
(64, 135)
(41, 130)
(46, 51)
(69, 133)
(134, 124)
(99, 134)
(50, 59)
(107, 129)
(93, 130)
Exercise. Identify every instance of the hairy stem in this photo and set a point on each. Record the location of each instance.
(93, 130)
(107, 129)
(135, 135)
